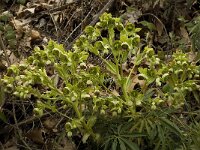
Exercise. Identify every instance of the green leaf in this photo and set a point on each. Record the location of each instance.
(138, 59)
(91, 121)
(147, 74)
(143, 72)
(111, 35)
(171, 126)
(122, 145)
(123, 36)
(167, 88)
(89, 30)
(196, 96)
(2, 26)
(110, 66)
(3, 117)
(5, 16)
(130, 27)
(149, 25)
(131, 145)
(10, 35)
(106, 144)
(12, 43)
(93, 50)
(133, 135)
(85, 137)
(161, 135)
(147, 126)
(114, 145)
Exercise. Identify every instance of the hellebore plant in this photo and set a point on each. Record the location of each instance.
(63, 80)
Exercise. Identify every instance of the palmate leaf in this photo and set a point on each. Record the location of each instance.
(161, 136)
(121, 138)
(114, 145)
(133, 135)
(130, 144)
(107, 144)
(122, 145)
(171, 126)
(196, 96)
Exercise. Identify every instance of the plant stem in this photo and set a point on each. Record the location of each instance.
(124, 89)
(79, 115)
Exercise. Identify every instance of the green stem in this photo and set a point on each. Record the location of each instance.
(129, 76)
(117, 68)
(124, 91)
(79, 115)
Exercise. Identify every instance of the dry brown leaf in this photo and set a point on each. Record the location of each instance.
(45, 40)
(46, 6)
(50, 123)
(2, 67)
(132, 15)
(11, 148)
(135, 81)
(27, 42)
(18, 25)
(69, 1)
(192, 56)
(13, 58)
(42, 23)
(31, 10)
(11, 143)
(56, 18)
(124, 67)
(184, 34)
(35, 35)
(115, 93)
(159, 27)
(36, 135)
(68, 146)
(21, 8)
(21, 26)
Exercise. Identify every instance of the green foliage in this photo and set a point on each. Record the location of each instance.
(118, 138)
(179, 77)
(194, 30)
(7, 30)
(64, 80)
(195, 136)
